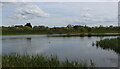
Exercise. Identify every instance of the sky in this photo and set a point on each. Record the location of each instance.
(59, 0)
(60, 14)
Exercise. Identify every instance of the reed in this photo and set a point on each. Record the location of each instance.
(16, 60)
(112, 44)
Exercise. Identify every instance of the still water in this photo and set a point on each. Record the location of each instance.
(74, 48)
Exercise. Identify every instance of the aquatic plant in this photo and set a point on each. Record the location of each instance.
(16, 60)
(109, 44)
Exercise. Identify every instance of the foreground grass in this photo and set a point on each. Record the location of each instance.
(15, 60)
(112, 44)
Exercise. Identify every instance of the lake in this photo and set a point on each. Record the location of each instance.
(73, 48)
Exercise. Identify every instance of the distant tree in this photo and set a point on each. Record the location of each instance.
(40, 27)
(89, 29)
(27, 28)
(18, 26)
(29, 25)
(77, 27)
(111, 26)
(82, 29)
(69, 26)
(101, 26)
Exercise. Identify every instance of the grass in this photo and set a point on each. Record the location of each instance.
(16, 60)
(112, 44)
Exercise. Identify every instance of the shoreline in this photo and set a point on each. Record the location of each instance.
(70, 35)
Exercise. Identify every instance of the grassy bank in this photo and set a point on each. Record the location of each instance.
(112, 44)
(15, 60)
(77, 29)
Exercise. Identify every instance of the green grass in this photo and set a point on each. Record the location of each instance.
(16, 60)
(109, 44)
(12, 30)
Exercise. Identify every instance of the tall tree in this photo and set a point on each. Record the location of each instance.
(29, 25)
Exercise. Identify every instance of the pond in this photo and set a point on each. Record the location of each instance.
(73, 48)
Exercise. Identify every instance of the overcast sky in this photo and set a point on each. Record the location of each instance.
(60, 13)
(59, 0)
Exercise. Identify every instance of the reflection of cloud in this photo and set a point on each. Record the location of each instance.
(29, 11)
(40, 50)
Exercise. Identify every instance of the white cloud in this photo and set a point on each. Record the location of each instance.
(61, 14)
(1, 5)
(87, 9)
(87, 15)
(9, 0)
(60, 0)
(29, 11)
(96, 20)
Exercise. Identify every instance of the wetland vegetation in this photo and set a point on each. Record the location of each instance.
(16, 60)
(69, 29)
(109, 44)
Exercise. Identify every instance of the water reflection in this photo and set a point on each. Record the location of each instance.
(105, 44)
(101, 37)
(74, 48)
(28, 45)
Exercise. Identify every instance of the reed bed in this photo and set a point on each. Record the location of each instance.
(110, 44)
(16, 60)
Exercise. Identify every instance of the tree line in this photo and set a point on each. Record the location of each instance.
(69, 29)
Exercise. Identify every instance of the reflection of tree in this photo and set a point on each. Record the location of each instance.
(28, 42)
(29, 39)
(109, 44)
(28, 45)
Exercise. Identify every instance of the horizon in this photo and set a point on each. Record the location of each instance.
(57, 26)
